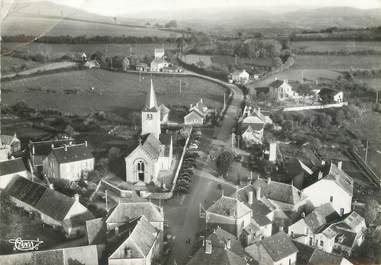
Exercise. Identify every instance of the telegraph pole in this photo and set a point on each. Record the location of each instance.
(366, 152)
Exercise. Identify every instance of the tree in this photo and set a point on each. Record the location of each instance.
(224, 162)
(371, 211)
(340, 117)
(171, 24)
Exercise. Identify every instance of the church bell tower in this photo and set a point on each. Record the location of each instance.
(151, 114)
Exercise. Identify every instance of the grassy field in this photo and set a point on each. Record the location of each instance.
(337, 61)
(114, 92)
(11, 64)
(58, 50)
(56, 27)
(334, 46)
(372, 82)
(208, 60)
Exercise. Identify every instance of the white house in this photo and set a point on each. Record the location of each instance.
(9, 144)
(230, 214)
(252, 126)
(240, 76)
(275, 250)
(69, 162)
(331, 184)
(154, 152)
(282, 90)
(197, 114)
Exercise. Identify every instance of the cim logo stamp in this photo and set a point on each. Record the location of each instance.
(25, 245)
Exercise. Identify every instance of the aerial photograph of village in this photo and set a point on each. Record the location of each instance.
(190, 132)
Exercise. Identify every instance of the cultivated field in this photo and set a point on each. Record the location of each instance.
(335, 46)
(337, 62)
(114, 92)
(16, 25)
(113, 49)
(11, 64)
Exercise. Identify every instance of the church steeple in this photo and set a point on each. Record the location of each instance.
(151, 101)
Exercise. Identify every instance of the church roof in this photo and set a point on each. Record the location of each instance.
(151, 101)
(151, 145)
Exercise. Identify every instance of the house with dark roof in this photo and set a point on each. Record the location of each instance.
(275, 250)
(141, 245)
(230, 214)
(54, 208)
(69, 162)
(84, 255)
(10, 169)
(154, 152)
(262, 216)
(311, 229)
(313, 256)
(219, 248)
(330, 184)
(38, 151)
(240, 76)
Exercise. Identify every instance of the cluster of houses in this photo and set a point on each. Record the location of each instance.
(277, 223)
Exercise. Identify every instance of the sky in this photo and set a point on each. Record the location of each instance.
(117, 7)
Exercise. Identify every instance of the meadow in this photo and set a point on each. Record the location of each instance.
(337, 62)
(112, 49)
(39, 26)
(113, 92)
(209, 60)
(12, 64)
(300, 47)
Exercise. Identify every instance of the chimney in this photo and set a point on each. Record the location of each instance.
(276, 78)
(228, 244)
(258, 194)
(33, 150)
(323, 162)
(320, 175)
(65, 147)
(340, 165)
(250, 197)
(127, 252)
(76, 197)
(52, 146)
(116, 230)
(303, 214)
(70, 143)
(51, 186)
(86, 143)
(268, 180)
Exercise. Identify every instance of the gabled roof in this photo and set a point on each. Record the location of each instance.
(219, 237)
(257, 207)
(229, 207)
(279, 246)
(128, 210)
(151, 145)
(139, 242)
(50, 202)
(278, 191)
(72, 153)
(12, 166)
(352, 221)
(252, 128)
(163, 109)
(295, 166)
(277, 83)
(96, 231)
(320, 217)
(8, 139)
(253, 119)
(195, 113)
(219, 256)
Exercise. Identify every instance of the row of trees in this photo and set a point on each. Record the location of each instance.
(83, 39)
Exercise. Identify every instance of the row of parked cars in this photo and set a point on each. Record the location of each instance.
(184, 179)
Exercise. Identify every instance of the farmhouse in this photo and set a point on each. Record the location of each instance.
(10, 169)
(154, 151)
(252, 125)
(38, 151)
(54, 208)
(330, 184)
(159, 62)
(85, 255)
(197, 114)
(9, 144)
(240, 76)
(220, 247)
(329, 95)
(142, 67)
(69, 162)
(275, 250)
(281, 90)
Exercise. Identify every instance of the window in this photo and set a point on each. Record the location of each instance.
(310, 241)
(149, 116)
(292, 234)
(331, 199)
(341, 211)
(321, 243)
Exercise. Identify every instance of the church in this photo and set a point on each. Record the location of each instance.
(154, 150)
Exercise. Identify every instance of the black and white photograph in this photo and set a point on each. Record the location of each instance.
(190, 132)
